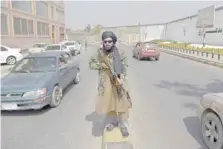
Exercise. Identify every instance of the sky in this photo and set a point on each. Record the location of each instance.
(120, 13)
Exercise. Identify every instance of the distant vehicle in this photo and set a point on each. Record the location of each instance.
(210, 112)
(57, 47)
(38, 47)
(10, 55)
(38, 80)
(75, 47)
(146, 50)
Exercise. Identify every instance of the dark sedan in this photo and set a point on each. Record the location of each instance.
(38, 80)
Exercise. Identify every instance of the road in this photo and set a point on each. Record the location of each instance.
(165, 95)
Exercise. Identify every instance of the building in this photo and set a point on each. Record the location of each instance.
(185, 30)
(182, 30)
(24, 23)
(134, 33)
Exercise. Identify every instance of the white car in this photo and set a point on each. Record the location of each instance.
(38, 47)
(10, 55)
(210, 112)
(75, 47)
(57, 47)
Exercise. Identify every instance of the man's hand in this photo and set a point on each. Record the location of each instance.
(120, 81)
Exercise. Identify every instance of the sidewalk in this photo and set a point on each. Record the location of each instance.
(206, 59)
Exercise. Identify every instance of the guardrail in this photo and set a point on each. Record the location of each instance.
(208, 53)
(209, 56)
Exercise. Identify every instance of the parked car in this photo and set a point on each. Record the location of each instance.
(146, 50)
(38, 47)
(10, 55)
(38, 80)
(75, 47)
(57, 47)
(210, 112)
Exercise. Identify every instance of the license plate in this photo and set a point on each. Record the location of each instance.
(9, 106)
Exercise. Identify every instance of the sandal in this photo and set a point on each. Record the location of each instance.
(124, 131)
(110, 127)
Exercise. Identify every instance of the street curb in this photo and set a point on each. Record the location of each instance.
(190, 57)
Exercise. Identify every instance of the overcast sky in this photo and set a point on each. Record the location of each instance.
(116, 13)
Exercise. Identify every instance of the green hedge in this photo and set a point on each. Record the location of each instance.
(186, 46)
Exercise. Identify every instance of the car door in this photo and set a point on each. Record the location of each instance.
(63, 72)
(71, 70)
(3, 54)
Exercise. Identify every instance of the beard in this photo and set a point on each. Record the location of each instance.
(107, 47)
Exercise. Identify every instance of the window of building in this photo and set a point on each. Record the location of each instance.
(52, 12)
(61, 30)
(42, 29)
(42, 9)
(30, 27)
(25, 6)
(22, 26)
(38, 28)
(60, 16)
(16, 24)
(4, 24)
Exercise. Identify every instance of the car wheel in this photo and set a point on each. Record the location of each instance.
(212, 131)
(11, 60)
(75, 53)
(157, 58)
(77, 78)
(56, 96)
(138, 57)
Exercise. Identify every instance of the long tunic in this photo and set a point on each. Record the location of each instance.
(108, 99)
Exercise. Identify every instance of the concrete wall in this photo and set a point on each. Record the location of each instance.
(184, 30)
(125, 34)
(151, 32)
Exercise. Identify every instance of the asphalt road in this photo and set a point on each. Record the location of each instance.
(164, 94)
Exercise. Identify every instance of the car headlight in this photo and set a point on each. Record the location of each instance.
(36, 93)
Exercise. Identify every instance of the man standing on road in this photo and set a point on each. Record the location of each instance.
(110, 98)
(85, 43)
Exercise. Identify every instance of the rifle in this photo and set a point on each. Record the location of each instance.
(115, 78)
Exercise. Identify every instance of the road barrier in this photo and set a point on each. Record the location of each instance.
(207, 55)
(212, 53)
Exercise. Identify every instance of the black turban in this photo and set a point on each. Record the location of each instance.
(107, 34)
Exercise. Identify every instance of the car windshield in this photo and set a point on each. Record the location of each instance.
(35, 64)
(69, 43)
(53, 47)
(147, 45)
(39, 45)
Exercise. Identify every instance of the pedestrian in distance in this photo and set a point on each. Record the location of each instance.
(112, 93)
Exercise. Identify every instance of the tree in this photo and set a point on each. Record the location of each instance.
(88, 28)
(96, 29)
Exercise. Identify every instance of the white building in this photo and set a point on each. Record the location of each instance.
(151, 32)
(184, 30)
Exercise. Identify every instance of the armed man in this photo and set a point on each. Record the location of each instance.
(112, 94)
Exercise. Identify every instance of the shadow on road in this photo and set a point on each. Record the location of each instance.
(26, 112)
(193, 127)
(191, 89)
(99, 122)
